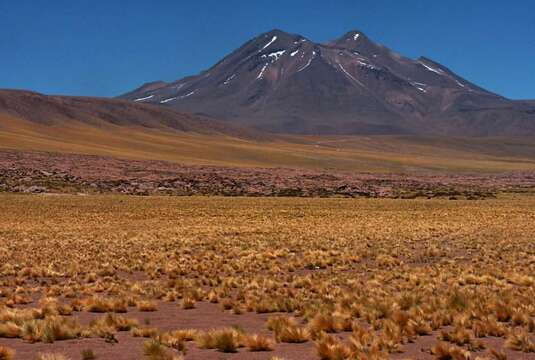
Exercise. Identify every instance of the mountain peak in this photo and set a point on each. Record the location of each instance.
(282, 82)
(279, 37)
(354, 40)
(274, 40)
(353, 35)
(278, 32)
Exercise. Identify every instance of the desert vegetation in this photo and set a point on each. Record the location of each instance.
(119, 277)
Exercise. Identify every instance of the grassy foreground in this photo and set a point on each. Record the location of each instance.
(440, 279)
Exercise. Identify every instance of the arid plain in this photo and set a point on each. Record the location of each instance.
(125, 277)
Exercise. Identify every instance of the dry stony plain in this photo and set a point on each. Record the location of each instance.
(125, 277)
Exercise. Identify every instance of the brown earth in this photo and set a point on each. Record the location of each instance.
(35, 172)
(130, 130)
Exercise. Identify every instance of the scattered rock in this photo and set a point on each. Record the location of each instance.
(29, 172)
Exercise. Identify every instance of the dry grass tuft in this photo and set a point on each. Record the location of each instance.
(153, 350)
(519, 340)
(51, 356)
(225, 340)
(258, 343)
(330, 348)
(88, 354)
(146, 306)
(443, 351)
(6, 353)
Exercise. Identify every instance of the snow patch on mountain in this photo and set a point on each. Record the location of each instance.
(261, 74)
(269, 43)
(437, 71)
(187, 95)
(144, 98)
(349, 75)
(229, 79)
(168, 100)
(274, 55)
(366, 65)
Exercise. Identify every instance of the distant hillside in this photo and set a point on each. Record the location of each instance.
(101, 112)
(118, 128)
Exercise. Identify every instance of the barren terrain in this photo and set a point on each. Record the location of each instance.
(33, 122)
(36, 172)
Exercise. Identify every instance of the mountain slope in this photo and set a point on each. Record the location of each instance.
(101, 112)
(30, 121)
(286, 83)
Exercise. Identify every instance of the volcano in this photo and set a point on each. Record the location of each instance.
(285, 83)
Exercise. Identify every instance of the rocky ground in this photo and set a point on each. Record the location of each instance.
(34, 172)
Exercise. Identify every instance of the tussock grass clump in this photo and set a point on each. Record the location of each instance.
(330, 348)
(443, 351)
(176, 339)
(258, 343)
(146, 306)
(180, 335)
(225, 340)
(153, 350)
(330, 323)
(116, 322)
(458, 300)
(51, 356)
(188, 303)
(51, 306)
(488, 327)
(6, 353)
(145, 332)
(363, 343)
(419, 326)
(88, 354)
(10, 330)
(286, 330)
(292, 334)
(51, 329)
(461, 337)
(519, 340)
(503, 311)
(275, 323)
(498, 355)
(98, 305)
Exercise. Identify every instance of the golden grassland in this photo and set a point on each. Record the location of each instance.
(360, 153)
(355, 279)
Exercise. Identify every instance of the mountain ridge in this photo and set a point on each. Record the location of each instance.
(285, 83)
(56, 110)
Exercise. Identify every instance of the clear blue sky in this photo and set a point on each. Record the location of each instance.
(104, 48)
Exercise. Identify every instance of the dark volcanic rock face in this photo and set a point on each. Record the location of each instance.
(286, 83)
